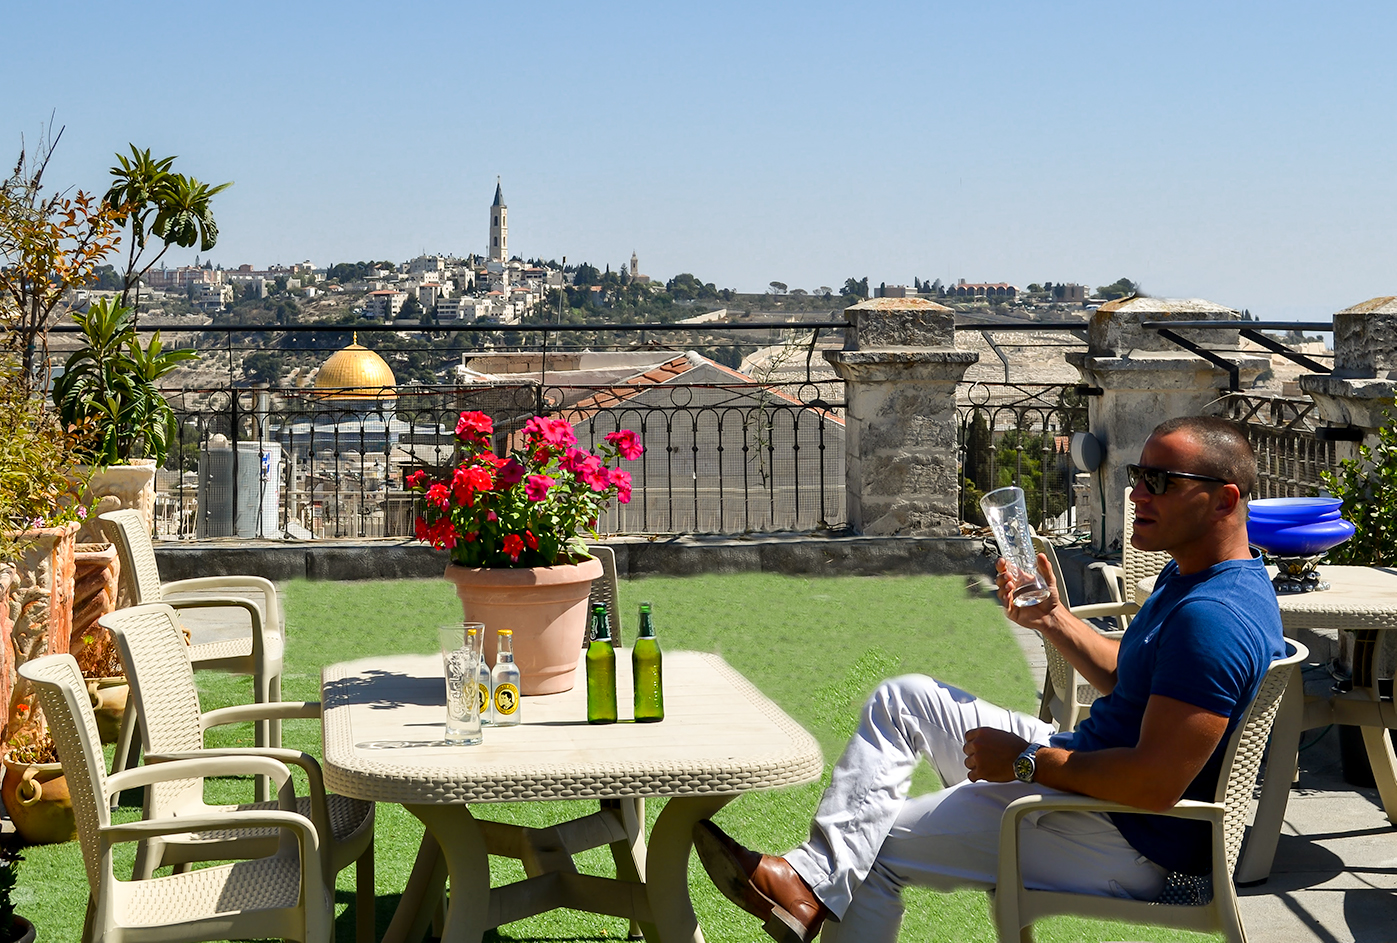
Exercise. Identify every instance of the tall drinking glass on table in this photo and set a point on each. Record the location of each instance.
(1007, 515)
(461, 653)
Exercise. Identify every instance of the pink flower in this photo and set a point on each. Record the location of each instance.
(474, 425)
(622, 480)
(536, 488)
(439, 495)
(627, 443)
(82, 513)
(556, 432)
(492, 516)
(513, 546)
(595, 475)
(510, 473)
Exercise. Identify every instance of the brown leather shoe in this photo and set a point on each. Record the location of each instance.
(766, 887)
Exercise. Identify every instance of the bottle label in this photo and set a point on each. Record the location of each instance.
(483, 696)
(506, 699)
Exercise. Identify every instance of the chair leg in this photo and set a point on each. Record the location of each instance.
(128, 745)
(365, 900)
(266, 689)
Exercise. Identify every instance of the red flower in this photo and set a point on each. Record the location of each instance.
(622, 480)
(474, 425)
(416, 478)
(557, 432)
(531, 540)
(510, 473)
(420, 528)
(468, 480)
(627, 443)
(439, 495)
(513, 546)
(442, 534)
(536, 488)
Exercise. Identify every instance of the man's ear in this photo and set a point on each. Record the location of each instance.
(1229, 496)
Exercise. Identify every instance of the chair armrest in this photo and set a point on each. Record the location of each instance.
(247, 713)
(251, 606)
(315, 777)
(1115, 579)
(239, 765)
(270, 605)
(1072, 802)
(1102, 610)
(219, 821)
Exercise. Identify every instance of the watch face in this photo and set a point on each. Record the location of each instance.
(1024, 768)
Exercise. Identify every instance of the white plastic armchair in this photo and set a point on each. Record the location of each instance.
(1016, 907)
(281, 895)
(258, 654)
(1067, 698)
(172, 728)
(1136, 565)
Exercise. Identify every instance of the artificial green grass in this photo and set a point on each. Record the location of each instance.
(816, 646)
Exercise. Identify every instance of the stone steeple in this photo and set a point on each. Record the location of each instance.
(497, 249)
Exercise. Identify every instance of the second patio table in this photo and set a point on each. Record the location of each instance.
(383, 722)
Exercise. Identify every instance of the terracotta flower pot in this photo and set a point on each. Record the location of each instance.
(36, 797)
(545, 606)
(109, 699)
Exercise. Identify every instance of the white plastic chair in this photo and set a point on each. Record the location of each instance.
(162, 683)
(258, 654)
(1016, 907)
(1067, 698)
(282, 895)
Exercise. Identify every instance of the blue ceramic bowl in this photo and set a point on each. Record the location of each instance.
(1298, 540)
(1296, 510)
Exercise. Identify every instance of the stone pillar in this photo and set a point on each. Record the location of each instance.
(1139, 379)
(901, 366)
(1365, 372)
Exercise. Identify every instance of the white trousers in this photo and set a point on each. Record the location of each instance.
(869, 840)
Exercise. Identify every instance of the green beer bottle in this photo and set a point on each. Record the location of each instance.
(647, 671)
(601, 671)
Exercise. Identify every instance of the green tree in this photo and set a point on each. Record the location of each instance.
(1120, 288)
(411, 309)
(150, 199)
(855, 287)
(778, 288)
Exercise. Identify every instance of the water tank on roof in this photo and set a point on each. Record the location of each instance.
(239, 491)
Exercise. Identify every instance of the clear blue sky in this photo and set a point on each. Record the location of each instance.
(1240, 152)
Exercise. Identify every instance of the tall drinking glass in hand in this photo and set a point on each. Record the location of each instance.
(1008, 517)
(461, 651)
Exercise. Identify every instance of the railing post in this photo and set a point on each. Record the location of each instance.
(1139, 379)
(1364, 380)
(900, 365)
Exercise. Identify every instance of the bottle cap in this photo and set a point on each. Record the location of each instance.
(506, 631)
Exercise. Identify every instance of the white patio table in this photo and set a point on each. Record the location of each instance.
(383, 724)
(1362, 600)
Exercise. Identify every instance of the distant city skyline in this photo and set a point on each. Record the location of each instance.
(1237, 152)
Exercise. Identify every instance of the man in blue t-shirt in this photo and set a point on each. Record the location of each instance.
(1174, 687)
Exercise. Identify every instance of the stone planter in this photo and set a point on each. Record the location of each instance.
(545, 606)
(39, 613)
(36, 798)
(96, 569)
(114, 488)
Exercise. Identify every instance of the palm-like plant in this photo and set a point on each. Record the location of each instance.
(107, 396)
(153, 200)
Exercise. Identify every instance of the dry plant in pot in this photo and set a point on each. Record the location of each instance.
(513, 527)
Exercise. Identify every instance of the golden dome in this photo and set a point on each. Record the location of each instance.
(356, 372)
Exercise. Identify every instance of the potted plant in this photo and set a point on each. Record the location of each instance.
(39, 510)
(35, 791)
(512, 525)
(13, 927)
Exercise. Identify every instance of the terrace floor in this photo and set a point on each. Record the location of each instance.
(1335, 875)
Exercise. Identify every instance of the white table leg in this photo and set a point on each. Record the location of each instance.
(667, 866)
(462, 844)
(1260, 848)
(420, 897)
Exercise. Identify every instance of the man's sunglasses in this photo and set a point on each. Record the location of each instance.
(1157, 479)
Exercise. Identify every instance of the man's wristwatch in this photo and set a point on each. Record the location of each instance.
(1024, 765)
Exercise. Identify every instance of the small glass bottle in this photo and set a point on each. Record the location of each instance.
(647, 671)
(601, 671)
(482, 685)
(504, 683)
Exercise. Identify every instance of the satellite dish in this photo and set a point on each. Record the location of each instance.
(1087, 451)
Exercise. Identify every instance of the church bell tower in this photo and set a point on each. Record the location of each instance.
(497, 249)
